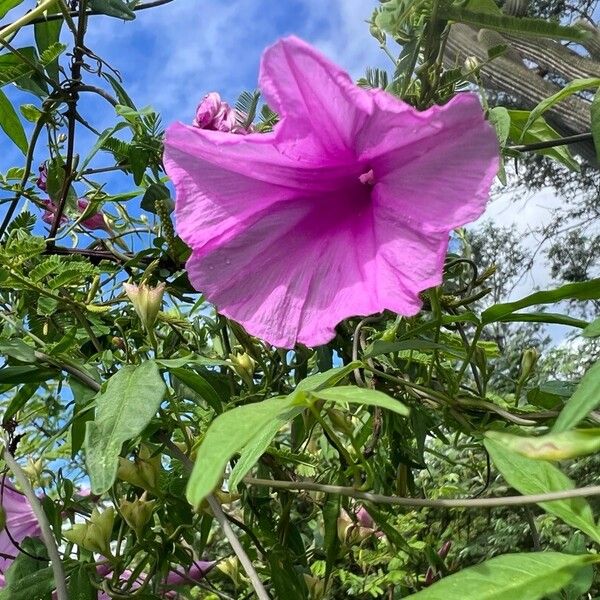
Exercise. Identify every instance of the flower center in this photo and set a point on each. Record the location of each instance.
(367, 178)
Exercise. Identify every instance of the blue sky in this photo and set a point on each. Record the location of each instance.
(169, 57)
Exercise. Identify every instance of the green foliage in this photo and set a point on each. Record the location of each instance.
(131, 398)
(525, 576)
(395, 406)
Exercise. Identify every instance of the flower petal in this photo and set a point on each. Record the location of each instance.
(297, 272)
(224, 180)
(313, 96)
(439, 178)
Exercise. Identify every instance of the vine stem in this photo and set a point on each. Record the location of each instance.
(221, 518)
(583, 492)
(218, 513)
(26, 19)
(46, 533)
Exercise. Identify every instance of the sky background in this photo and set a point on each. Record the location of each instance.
(171, 56)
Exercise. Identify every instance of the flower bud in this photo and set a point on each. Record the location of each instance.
(137, 513)
(215, 114)
(146, 301)
(33, 469)
(316, 587)
(95, 535)
(472, 64)
(230, 567)
(144, 472)
(377, 33)
(528, 362)
(244, 366)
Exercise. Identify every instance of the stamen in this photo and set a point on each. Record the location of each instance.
(367, 178)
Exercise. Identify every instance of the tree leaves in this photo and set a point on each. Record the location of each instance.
(509, 577)
(131, 398)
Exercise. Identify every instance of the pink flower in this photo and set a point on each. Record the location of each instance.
(42, 179)
(20, 523)
(174, 578)
(212, 113)
(343, 210)
(93, 222)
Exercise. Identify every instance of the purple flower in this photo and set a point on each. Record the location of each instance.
(343, 210)
(20, 523)
(173, 579)
(93, 222)
(42, 179)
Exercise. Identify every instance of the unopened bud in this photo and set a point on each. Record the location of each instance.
(472, 64)
(137, 513)
(144, 472)
(147, 302)
(315, 586)
(33, 469)
(528, 362)
(95, 535)
(377, 33)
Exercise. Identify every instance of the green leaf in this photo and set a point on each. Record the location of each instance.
(26, 374)
(131, 398)
(47, 35)
(539, 477)
(251, 453)
(367, 397)
(544, 317)
(592, 330)
(80, 585)
(156, 191)
(515, 25)
(6, 5)
(227, 435)
(18, 349)
(327, 379)
(287, 581)
(18, 401)
(27, 577)
(11, 124)
(107, 133)
(119, 90)
(586, 290)
(585, 399)
(201, 386)
(551, 394)
(577, 85)
(519, 576)
(552, 446)
(539, 131)
(499, 117)
(112, 8)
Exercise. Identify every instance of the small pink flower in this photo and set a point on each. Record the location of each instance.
(344, 209)
(215, 114)
(94, 222)
(21, 522)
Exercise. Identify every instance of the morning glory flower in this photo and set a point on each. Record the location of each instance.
(343, 210)
(20, 522)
